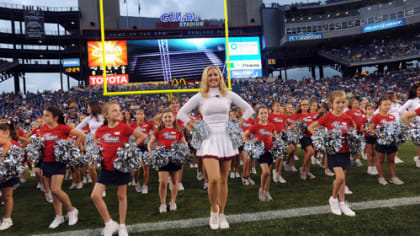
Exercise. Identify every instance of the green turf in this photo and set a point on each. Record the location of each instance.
(398, 221)
(32, 214)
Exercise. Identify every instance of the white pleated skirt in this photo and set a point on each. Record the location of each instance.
(218, 145)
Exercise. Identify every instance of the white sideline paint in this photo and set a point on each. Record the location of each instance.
(248, 217)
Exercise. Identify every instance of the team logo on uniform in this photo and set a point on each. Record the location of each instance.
(307, 119)
(170, 135)
(141, 129)
(278, 120)
(264, 132)
(110, 139)
(246, 125)
(339, 125)
(50, 137)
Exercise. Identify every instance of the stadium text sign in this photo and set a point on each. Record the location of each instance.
(184, 20)
(110, 79)
(70, 62)
(301, 37)
(383, 25)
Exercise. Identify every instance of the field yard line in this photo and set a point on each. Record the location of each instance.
(249, 217)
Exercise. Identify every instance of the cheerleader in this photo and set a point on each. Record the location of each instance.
(339, 162)
(290, 119)
(42, 182)
(263, 131)
(141, 124)
(234, 169)
(278, 120)
(174, 106)
(370, 141)
(381, 119)
(313, 109)
(93, 122)
(168, 133)
(53, 131)
(306, 141)
(8, 137)
(246, 161)
(113, 135)
(412, 104)
(75, 173)
(217, 150)
(357, 115)
(127, 117)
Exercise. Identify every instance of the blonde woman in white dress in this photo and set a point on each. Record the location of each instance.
(217, 151)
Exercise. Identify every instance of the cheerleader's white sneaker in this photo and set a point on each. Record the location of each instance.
(144, 189)
(245, 181)
(110, 228)
(253, 171)
(396, 181)
(382, 181)
(122, 231)
(281, 179)
(328, 172)
(334, 207)
(223, 223)
(346, 210)
(163, 208)
(73, 216)
(250, 181)
(7, 223)
(138, 188)
(214, 219)
(232, 175)
(397, 160)
(180, 187)
(347, 190)
(58, 220)
(417, 160)
(48, 197)
(275, 178)
(172, 206)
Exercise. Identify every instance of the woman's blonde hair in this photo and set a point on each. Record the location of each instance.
(105, 110)
(204, 85)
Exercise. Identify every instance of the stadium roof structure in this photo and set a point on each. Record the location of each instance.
(28, 48)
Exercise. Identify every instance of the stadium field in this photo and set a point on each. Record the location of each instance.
(32, 214)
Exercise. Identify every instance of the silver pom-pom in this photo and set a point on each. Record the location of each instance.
(329, 142)
(235, 132)
(181, 154)
(11, 164)
(148, 138)
(199, 133)
(254, 148)
(392, 134)
(158, 157)
(34, 149)
(93, 151)
(292, 135)
(129, 157)
(65, 152)
(354, 142)
(300, 128)
(415, 134)
(279, 149)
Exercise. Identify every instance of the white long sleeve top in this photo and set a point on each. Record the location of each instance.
(410, 105)
(92, 123)
(215, 108)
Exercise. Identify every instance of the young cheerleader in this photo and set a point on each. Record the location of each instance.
(234, 168)
(8, 137)
(53, 131)
(357, 115)
(278, 120)
(290, 119)
(112, 135)
(75, 172)
(381, 119)
(127, 117)
(412, 104)
(306, 142)
(339, 162)
(141, 124)
(314, 110)
(370, 141)
(246, 167)
(168, 132)
(263, 131)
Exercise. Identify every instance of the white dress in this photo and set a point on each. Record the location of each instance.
(410, 105)
(215, 111)
(92, 123)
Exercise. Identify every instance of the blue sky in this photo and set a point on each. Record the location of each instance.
(51, 81)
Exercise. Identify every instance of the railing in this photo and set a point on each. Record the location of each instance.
(43, 8)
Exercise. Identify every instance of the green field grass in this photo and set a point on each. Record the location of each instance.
(32, 214)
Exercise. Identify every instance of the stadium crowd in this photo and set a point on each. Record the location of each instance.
(377, 49)
(25, 108)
